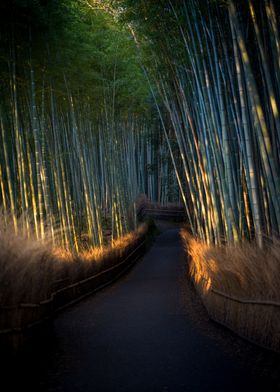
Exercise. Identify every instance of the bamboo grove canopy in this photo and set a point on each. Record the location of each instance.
(102, 100)
(215, 65)
(79, 137)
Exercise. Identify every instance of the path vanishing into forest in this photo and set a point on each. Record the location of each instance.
(139, 334)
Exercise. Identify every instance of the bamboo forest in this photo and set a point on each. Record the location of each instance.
(122, 122)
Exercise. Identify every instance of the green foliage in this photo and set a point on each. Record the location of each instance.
(68, 40)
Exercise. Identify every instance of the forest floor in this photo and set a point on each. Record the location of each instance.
(146, 332)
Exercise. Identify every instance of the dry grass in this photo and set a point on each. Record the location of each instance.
(26, 267)
(30, 269)
(75, 267)
(246, 274)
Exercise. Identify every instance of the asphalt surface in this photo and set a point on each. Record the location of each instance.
(136, 335)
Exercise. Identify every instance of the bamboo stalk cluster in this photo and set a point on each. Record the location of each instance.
(223, 104)
(68, 175)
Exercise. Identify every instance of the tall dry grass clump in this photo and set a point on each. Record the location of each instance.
(74, 267)
(37, 279)
(27, 267)
(240, 286)
(31, 270)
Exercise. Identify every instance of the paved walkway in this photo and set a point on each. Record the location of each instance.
(136, 335)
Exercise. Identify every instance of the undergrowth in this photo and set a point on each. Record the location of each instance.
(30, 270)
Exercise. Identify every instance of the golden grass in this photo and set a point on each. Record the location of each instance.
(92, 260)
(26, 267)
(30, 269)
(243, 273)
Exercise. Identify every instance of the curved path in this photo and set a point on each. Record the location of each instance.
(136, 335)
